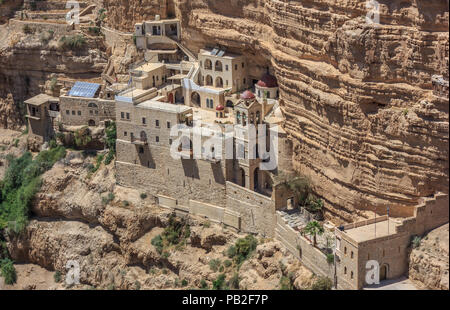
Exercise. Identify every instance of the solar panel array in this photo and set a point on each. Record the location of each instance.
(214, 52)
(221, 53)
(84, 89)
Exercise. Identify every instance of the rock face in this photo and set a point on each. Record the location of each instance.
(9, 114)
(112, 241)
(357, 96)
(429, 261)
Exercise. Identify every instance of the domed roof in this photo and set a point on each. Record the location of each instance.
(220, 108)
(247, 95)
(267, 81)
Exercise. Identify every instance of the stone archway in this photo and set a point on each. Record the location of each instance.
(384, 270)
(91, 123)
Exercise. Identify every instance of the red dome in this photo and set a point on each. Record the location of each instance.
(247, 95)
(220, 108)
(267, 81)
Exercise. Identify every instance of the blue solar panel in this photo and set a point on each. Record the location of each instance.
(221, 53)
(84, 89)
(214, 52)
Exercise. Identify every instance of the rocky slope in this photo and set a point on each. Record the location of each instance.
(429, 261)
(356, 96)
(111, 240)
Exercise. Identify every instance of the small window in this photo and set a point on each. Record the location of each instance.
(226, 67)
(157, 123)
(157, 139)
(345, 250)
(243, 65)
(351, 254)
(143, 120)
(168, 124)
(245, 81)
(122, 114)
(79, 113)
(235, 67)
(73, 112)
(345, 270)
(96, 112)
(67, 112)
(170, 141)
(351, 274)
(125, 133)
(128, 115)
(141, 150)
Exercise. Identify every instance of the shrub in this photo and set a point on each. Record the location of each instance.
(218, 284)
(227, 263)
(94, 30)
(157, 242)
(57, 276)
(107, 199)
(74, 42)
(143, 196)
(416, 241)
(322, 283)
(184, 282)
(214, 264)
(203, 284)
(234, 281)
(125, 203)
(8, 272)
(242, 249)
(330, 258)
(137, 285)
(286, 283)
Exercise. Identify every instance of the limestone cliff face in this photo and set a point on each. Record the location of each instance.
(357, 96)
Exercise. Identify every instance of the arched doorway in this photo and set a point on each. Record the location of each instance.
(195, 99)
(171, 98)
(241, 175)
(91, 123)
(208, 64)
(229, 104)
(384, 269)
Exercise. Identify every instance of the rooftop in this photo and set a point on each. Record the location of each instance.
(40, 99)
(163, 106)
(149, 66)
(84, 89)
(367, 232)
(218, 53)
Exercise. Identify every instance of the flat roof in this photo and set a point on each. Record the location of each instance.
(367, 232)
(163, 106)
(149, 66)
(162, 21)
(40, 99)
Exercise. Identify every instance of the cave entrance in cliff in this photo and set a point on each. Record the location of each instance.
(195, 99)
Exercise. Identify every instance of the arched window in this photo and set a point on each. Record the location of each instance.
(208, 64)
(218, 66)
(219, 82)
(92, 105)
(244, 119)
(209, 80)
(258, 117)
(207, 102)
(252, 118)
(238, 117)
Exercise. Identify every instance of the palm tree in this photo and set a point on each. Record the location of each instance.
(314, 228)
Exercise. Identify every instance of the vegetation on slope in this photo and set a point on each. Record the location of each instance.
(21, 183)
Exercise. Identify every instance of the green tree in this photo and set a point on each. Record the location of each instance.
(314, 228)
(8, 272)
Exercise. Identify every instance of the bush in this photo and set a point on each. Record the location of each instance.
(137, 285)
(242, 249)
(322, 283)
(106, 200)
(416, 241)
(234, 281)
(203, 284)
(27, 29)
(218, 284)
(184, 282)
(214, 264)
(94, 30)
(330, 258)
(227, 263)
(74, 42)
(157, 242)
(125, 203)
(57, 276)
(143, 196)
(8, 272)
(82, 137)
(286, 283)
